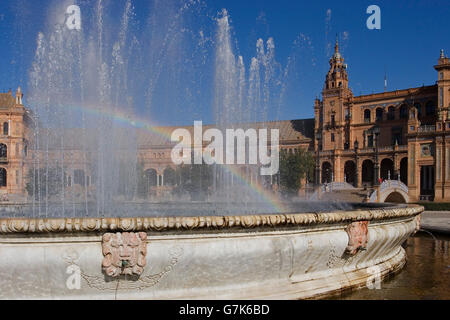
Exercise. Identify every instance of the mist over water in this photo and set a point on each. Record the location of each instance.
(92, 90)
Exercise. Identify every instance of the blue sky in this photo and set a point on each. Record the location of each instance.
(406, 48)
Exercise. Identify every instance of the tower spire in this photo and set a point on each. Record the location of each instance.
(337, 75)
(442, 54)
(336, 46)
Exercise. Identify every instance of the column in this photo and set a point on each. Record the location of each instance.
(413, 172)
(396, 166)
(376, 172)
(438, 185)
(446, 172)
(376, 166)
(318, 174)
(358, 180)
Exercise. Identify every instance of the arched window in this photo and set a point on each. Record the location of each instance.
(419, 110)
(327, 172)
(367, 115)
(3, 151)
(5, 128)
(387, 169)
(403, 112)
(367, 173)
(169, 177)
(350, 172)
(3, 176)
(379, 114)
(430, 108)
(391, 113)
(151, 178)
(79, 177)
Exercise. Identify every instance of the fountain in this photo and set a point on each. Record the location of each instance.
(99, 240)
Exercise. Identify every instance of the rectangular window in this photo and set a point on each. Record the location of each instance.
(441, 97)
(370, 141)
(332, 137)
(17, 177)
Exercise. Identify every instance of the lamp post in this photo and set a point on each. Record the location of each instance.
(376, 131)
(319, 139)
(356, 183)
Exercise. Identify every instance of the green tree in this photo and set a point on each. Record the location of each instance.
(294, 167)
(194, 180)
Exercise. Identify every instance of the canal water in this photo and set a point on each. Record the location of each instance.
(426, 275)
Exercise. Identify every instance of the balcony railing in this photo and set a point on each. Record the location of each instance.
(326, 153)
(427, 128)
(3, 160)
(367, 150)
(426, 198)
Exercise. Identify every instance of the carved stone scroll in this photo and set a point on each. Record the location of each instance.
(124, 253)
(160, 224)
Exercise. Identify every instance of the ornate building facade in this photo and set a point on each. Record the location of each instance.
(402, 134)
(15, 136)
(360, 140)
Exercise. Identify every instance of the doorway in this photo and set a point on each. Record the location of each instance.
(427, 179)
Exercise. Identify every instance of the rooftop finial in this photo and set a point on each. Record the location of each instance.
(19, 96)
(442, 54)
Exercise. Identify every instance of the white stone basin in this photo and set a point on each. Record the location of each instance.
(285, 256)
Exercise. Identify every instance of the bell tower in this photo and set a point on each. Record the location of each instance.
(443, 69)
(336, 111)
(337, 75)
(332, 130)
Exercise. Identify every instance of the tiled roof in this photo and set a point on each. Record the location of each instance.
(425, 90)
(301, 131)
(6, 100)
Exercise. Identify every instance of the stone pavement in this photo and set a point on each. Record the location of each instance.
(436, 221)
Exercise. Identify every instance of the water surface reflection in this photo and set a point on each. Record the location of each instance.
(426, 275)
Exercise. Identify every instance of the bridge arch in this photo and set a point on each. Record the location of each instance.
(396, 196)
(393, 191)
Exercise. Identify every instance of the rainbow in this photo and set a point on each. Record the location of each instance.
(269, 196)
(122, 118)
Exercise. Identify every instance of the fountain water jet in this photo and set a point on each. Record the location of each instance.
(237, 245)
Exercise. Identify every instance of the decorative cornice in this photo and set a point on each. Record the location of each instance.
(158, 224)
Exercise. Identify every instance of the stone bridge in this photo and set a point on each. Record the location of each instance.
(390, 191)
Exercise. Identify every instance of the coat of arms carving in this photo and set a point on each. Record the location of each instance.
(358, 234)
(124, 253)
